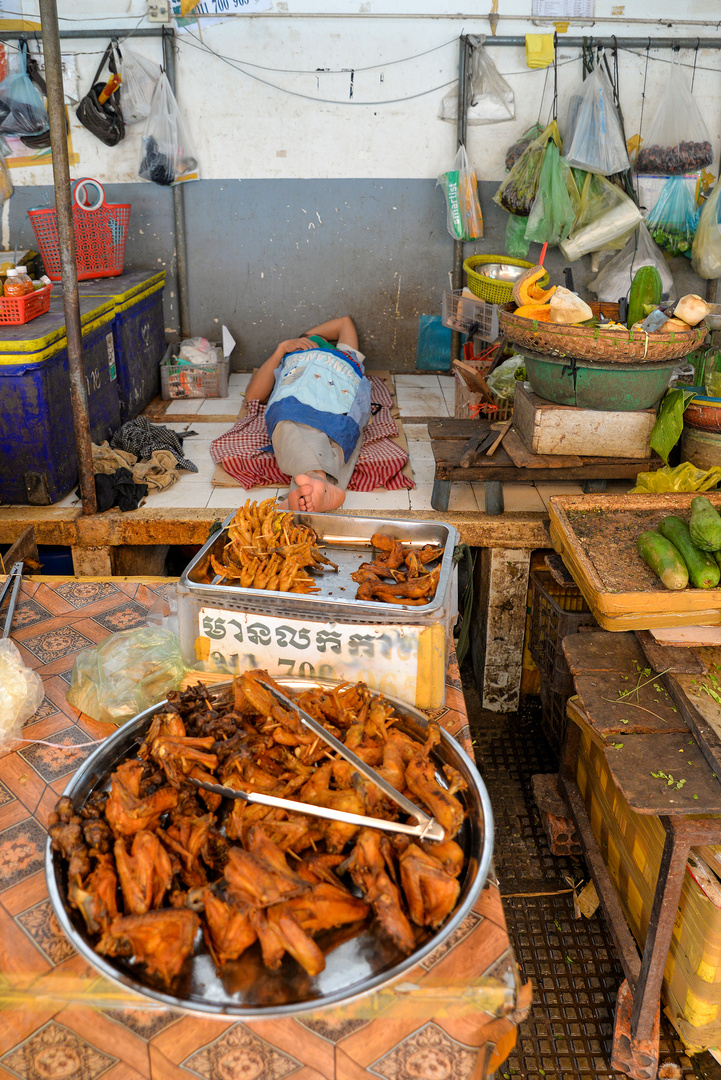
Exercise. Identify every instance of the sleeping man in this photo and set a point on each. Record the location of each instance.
(318, 402)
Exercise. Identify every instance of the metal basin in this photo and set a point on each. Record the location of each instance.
(245, 988)
(501, 271)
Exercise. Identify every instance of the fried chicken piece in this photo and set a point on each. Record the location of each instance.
(449, 853)
(326, 906)
(368, 864)
(178, 756)
(125, 811)
(160, 939)
(145, 873)
(98, 836)
(189, 839)
(393, 551)
(278, 933)
(430, 890)
(261, 880)
(444, 807)
(228, 929)
(96, 898)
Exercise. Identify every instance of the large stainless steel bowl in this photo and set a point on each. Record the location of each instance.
(501, 271)
(245, 988)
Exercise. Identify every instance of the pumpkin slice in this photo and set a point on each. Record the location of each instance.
(541, 312)
(527, 290)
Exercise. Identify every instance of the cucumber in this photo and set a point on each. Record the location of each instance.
(646, 288)
(663, 558)
(703, 570)
(705, 524)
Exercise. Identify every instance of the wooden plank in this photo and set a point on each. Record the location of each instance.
(675, 754)
(668, 657)
(499, 624)
(597, 651)
(701, 712)
(558, 569)
(685, 638)
(610, 713)
(523, 457)
(457, 429)
(448, 453)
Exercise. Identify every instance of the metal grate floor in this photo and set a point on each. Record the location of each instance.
(571, 962)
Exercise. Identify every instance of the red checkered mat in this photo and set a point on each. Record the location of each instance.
(243, 454)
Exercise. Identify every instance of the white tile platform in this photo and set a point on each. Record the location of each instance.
(419, 396)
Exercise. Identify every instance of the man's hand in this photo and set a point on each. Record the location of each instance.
(295, 345)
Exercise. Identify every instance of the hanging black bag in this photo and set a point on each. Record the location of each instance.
(104, 120)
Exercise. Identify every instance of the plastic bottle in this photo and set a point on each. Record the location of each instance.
(12, 286)
(23, 276)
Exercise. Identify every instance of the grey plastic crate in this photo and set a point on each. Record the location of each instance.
(193, 380)
(469, 315)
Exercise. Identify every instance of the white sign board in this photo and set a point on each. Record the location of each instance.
(384, 657)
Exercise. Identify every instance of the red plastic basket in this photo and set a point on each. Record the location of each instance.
(100, 228)
(16, 310)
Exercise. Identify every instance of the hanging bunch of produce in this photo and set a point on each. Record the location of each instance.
(677, 140)
(674, 218)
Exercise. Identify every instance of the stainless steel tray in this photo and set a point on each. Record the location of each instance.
(347, 541)
(245, 988)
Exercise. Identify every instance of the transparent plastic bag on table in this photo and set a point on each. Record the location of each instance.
(502, 381)
(21, 694)
(139, 79)
(126, 673)
(606, 218)
(515, 150)
(517, 192)
(491, 98)
(557, 200)
(464, 219)
(673, 219)
(594, 137)
(616, 277)
(167, 156)
(516, 243)
(677, 140)
(706, 248)
(684, 477)
(22, 109)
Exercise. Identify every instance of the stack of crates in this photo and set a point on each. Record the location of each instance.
(631, 845)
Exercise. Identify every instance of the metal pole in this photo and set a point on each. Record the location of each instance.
(66, 238)
(460, 140)
(181, 255)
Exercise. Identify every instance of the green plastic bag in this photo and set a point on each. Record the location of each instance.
(518, 190)
(516, 243)
(554, 210)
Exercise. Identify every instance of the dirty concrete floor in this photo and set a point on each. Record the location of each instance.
(571, 963)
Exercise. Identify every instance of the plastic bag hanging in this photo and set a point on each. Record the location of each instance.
(615, 277)
(557, 200)
(136, 92)
(605, 219)
(464, 219)
(22, 109)
(673, 218)
(518, 190)
(167, 156)
(99, 111)
(593, 136)
(677, 140)
(516, 243)
(706, 250)
(491, 98)
(515, 150)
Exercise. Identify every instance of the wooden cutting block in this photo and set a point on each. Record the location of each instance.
(547, 428)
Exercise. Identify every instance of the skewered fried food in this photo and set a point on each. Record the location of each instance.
(398, 575)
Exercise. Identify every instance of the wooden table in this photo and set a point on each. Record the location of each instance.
(450, 439)
(454, 1014)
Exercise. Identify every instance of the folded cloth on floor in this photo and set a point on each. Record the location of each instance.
(245, 454)
(140, 437)
(159, 472)
(117, 489)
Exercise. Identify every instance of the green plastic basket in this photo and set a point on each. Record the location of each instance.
(488, 289)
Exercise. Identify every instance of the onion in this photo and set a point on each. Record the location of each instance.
(692, 309)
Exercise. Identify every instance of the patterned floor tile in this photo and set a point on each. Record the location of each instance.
(22, 852)
(57, 1053)
(54, 644)
(239, 1052)
(52, 762)
(6, 796)
(82, 593)
(27, 613)
(43, 929)
(332, 1030)
(127, 616)
(460, 934)
(145, 1023)
(429, 1051)
(47, 708)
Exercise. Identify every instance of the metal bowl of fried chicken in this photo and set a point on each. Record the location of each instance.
(232, 907)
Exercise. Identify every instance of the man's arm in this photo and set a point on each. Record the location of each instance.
(263, 380)
(342, 329)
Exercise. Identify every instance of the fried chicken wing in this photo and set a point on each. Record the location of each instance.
(430, 890)
(128, 813)
(160, 939)
(228, 928)
(96, 899)
(145, 872)
(444, 807)
(369, 870)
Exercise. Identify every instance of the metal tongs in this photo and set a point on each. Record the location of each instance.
(426, 829)
(12, 583)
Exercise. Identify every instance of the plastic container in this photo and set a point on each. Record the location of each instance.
(13, 286)
(18, 310)
(180, 380)
(556, 612)
(100, 229)
(470, 315)
(23, 277)
(38, 464)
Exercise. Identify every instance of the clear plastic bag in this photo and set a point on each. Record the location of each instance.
(615, 278)
(167, 157)
(605, 219)
(502, 381)
(706, 249)
(677, 140)
(594, 138)
(515, 150)
(491, 98)
(673, 219)
(464, 219)
(22, 109)
(557, 200)
(518, 190)
(21, 694)
(138, 86)
(126, 673)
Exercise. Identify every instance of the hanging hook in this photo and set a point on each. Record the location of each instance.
(695, 61)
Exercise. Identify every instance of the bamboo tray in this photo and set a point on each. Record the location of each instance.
(596, 537)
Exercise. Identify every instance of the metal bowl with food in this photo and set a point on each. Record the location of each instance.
(356, 959)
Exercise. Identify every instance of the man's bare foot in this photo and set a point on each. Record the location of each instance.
(314, 495)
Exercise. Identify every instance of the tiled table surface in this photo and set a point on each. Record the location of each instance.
(420, 397)
(61, 1021)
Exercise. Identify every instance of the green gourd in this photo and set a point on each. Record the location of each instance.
(705, 524)
(646, 288)
(663, 558)
(703, 570)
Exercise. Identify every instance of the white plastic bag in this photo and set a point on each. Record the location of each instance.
(138, 86)
(677, 140)
(21, 694)
(706, 250)
(614, 279)
(197, 350)
(593, 138)
(491, 97)
(22, 109)
(167, 156)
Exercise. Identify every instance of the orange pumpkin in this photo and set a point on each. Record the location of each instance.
(527, 291)
(541, 312)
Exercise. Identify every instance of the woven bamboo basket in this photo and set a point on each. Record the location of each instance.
(591, 343)
(490, 289)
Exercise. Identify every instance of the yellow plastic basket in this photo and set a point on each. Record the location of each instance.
(488, 289)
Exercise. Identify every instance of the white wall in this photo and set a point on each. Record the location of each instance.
(244, 128)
